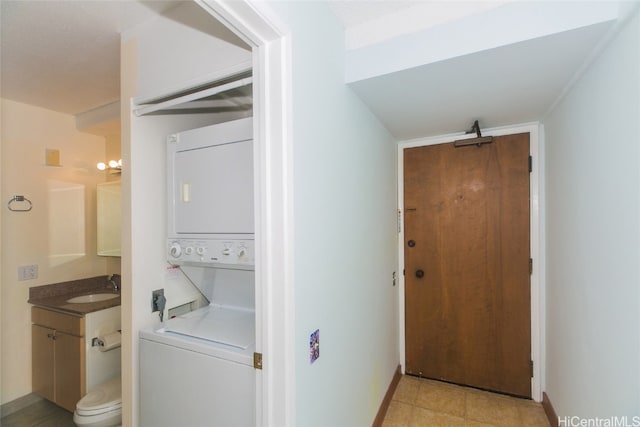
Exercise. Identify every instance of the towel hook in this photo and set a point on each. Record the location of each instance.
(20, 198)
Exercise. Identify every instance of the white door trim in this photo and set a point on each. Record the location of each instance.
(537, 250)
(255, 23)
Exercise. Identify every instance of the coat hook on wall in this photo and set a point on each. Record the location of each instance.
(20, 199)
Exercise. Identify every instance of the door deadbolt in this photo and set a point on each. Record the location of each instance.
(411, 243)
(419, 274)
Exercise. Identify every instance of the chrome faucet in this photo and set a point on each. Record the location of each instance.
(114, 281)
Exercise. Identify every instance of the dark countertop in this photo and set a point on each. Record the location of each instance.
(55, 296)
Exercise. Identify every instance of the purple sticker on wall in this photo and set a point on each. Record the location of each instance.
(314, 346)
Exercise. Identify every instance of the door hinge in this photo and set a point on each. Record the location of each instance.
(399, 221)
(530, 164)
(257, 360)
(531, 364)
(530, 266)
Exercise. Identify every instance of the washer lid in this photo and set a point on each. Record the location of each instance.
(219, 324)
(106, 395)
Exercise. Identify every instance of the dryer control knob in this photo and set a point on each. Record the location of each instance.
(200, 250)
(242, 251)
(175, 250)
(188, 250)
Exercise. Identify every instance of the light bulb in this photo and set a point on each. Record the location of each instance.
(101, 166)
(113, 164)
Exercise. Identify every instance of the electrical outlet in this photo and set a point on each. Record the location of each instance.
(154, 299)
(28, 272)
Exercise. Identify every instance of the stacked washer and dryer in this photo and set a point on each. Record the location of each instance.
(198, 369)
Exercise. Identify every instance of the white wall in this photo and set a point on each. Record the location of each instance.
(59, 234)
(593, 237)
(155, 62)
(345, 231)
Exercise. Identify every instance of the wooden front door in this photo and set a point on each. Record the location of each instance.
(467, 268)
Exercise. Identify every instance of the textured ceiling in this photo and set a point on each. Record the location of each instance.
(65, 55)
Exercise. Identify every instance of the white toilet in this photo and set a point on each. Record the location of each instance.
(101, 407)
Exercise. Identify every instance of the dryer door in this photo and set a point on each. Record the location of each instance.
(213, 189)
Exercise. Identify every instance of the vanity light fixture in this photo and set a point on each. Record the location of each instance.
(114, 166)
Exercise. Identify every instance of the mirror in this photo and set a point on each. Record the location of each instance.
(109, 218)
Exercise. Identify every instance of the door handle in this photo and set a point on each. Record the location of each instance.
(419, 274)
(411, 243)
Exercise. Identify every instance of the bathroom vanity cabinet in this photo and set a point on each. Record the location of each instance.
(58, 351)
(65, 364)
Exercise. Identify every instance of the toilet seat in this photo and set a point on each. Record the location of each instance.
(106, 399)
(98, 411)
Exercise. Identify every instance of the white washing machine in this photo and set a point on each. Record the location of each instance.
(198, 370)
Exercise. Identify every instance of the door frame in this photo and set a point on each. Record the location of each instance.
(536, 238)
(270, 39)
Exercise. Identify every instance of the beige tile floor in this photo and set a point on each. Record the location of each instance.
(420, 402)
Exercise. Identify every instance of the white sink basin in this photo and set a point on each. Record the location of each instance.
(92, 298)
